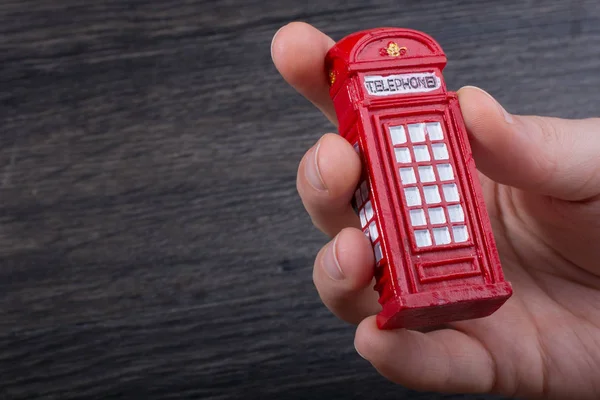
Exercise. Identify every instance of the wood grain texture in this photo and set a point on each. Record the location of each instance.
(152, 244)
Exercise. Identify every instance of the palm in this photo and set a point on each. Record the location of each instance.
(548, 332)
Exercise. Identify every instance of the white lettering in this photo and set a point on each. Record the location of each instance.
(401, 84)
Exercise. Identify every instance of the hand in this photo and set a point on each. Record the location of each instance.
(541, 179)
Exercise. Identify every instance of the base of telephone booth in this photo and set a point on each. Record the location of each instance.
(435, 308)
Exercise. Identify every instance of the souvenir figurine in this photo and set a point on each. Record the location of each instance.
(419, 200)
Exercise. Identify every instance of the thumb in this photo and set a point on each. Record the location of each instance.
(550, 156)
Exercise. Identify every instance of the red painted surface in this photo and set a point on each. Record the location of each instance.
(419, 198)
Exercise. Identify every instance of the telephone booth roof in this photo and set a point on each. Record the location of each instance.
(381, 49)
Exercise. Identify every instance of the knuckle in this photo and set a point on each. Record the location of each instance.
(547, 128)
(550, 147)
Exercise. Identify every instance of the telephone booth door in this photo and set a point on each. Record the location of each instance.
(428, 175)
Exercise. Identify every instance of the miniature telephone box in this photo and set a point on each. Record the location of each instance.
(419, 200)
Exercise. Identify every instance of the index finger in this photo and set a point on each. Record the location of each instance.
(298, 51)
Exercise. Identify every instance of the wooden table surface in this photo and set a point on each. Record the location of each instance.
(152, 244)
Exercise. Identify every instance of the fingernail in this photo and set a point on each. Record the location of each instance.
(358, 352)
(331, 264)
(311, 169)
(507, 117)
(273, 40)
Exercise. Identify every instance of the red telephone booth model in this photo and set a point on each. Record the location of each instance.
(419, 201)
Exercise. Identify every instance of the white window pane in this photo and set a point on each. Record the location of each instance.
(422, 153)
(434, 129)
(441, 236)
(356, 148)
(378, 253)
(358, 198)
(363, 220)
(426, 174)
(460, 233)
(398, 134)
(408, 175)
(416, 132)
(423, 238)
(368, 210)
(366, 232)
(417, 217)
(432, 194)
(402, 155)
(364, 191)
(373, 231)
(450, 192)
(437, 216)
(445, 172)
(413, 197)
(456, 213)
(440, 151)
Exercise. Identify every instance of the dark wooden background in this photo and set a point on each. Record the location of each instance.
(152, 245)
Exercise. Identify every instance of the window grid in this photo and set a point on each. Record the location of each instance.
(364, 208)
(429, 158)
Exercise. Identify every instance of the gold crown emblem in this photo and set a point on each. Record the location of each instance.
(393, 50)
(331, 77)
